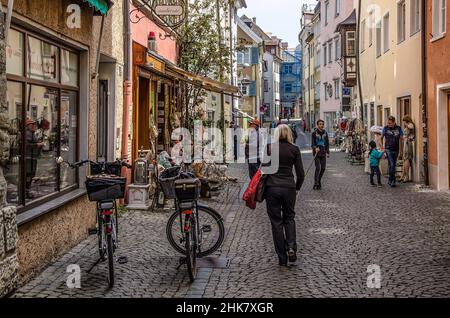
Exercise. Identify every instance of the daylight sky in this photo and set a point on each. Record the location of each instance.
(280, 17)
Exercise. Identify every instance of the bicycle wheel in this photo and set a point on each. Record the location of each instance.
(191, 249)
(211, 232)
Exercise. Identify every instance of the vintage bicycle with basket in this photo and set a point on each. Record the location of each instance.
(104, 185)
(194, 229)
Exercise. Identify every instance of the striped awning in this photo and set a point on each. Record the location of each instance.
(101, 6)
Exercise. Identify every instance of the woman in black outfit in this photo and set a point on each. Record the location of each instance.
(280, 193)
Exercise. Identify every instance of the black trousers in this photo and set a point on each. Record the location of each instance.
(252, 169)
(321, 165)
(281, 209)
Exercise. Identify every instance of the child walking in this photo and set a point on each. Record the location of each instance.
(374, 157)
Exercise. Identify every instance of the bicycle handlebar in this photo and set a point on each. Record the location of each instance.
(83, 162)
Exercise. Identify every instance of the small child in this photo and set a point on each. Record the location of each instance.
(374, 156)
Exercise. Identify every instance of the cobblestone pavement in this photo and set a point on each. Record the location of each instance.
(341, 230)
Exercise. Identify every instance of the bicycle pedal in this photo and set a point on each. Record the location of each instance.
(92, 231)
(206, 228)
(122, 260)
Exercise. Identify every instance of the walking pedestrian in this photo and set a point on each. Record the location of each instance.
(321, 150)
(280, 195)
(252, 147)
(392, 136)
(375, 156)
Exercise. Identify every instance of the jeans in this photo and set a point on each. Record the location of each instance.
(392, 159)
(373, 171)
(281, 209)
(321, 165)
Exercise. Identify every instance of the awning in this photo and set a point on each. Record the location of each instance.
(206, 83)
(101, 6)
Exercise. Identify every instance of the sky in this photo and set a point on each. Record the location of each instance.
(279, 17)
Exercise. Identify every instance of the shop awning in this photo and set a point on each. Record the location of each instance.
(170, 69)
(101, 6)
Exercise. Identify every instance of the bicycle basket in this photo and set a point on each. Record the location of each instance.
(167, 181)
(105, 187)
(187, 190)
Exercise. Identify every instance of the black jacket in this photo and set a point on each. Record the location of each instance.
(319, 139)
(289, 158)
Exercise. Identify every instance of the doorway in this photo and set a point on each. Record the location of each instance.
(448, 130)
(102, 121)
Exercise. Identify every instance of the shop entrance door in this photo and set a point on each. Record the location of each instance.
(143, 114)
(448, 131)
(102, 121)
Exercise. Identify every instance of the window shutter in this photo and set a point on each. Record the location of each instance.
(240, 58)
(254, 55)
(252, 89)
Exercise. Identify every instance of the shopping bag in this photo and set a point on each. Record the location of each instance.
(261, 188)
(250, 192)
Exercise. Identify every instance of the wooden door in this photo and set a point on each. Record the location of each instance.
(448, 131)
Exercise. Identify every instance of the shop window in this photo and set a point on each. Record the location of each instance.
(69, 68)
(42, 60)
(14, 53)
(43, 117)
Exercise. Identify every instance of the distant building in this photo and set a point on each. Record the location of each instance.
(291, 83)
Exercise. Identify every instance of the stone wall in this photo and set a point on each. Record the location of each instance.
(8, 227)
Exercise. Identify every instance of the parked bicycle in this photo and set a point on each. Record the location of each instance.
(104, 185)
(194, 230)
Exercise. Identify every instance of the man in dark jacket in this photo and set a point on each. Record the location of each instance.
(393, 139)
(321, 150)
(252, 148)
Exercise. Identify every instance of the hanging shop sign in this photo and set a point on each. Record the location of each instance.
(165, 13)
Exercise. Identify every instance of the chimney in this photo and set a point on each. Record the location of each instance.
(254, 20)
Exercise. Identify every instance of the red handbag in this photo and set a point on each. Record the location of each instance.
(250, 192)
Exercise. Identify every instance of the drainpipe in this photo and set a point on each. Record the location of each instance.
(358, 26)
(424, 94)
(127, 80)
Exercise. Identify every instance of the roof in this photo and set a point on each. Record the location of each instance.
(255, 28)
(246, 29)
(351, 20)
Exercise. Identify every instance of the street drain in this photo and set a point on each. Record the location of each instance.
(213, 262)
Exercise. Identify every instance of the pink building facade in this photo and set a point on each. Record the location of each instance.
(332, 13)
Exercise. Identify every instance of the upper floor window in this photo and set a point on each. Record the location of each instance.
(401, 21)
(378, 36)
(363, 35)
(386, 33)
(439, 17)
(325, 56)
(350, 45)
(327, 5)
(338, 7)
(288, 88)
(415, 16)
(370, 26)
(337, 45)
(330, 51)
(244, 57)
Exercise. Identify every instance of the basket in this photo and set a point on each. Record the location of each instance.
(187, 190)
(105, 187)
(167, 181)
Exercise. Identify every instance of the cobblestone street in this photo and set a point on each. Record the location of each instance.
(340, 232)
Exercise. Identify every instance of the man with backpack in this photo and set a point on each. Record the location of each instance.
(321, 150)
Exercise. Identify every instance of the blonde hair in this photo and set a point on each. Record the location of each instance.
(284, 132)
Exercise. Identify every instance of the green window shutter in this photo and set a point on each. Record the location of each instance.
(252, 89)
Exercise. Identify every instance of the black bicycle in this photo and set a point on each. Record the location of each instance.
(104, 185)
(194, 229)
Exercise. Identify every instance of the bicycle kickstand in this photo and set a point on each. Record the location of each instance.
(95, 264)
(182, 261)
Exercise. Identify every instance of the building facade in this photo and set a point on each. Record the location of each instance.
(291, 83)
(438, 91)
(53, 96)
(332, 13)
(390, 43)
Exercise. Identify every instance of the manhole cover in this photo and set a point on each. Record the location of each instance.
(213, 262)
